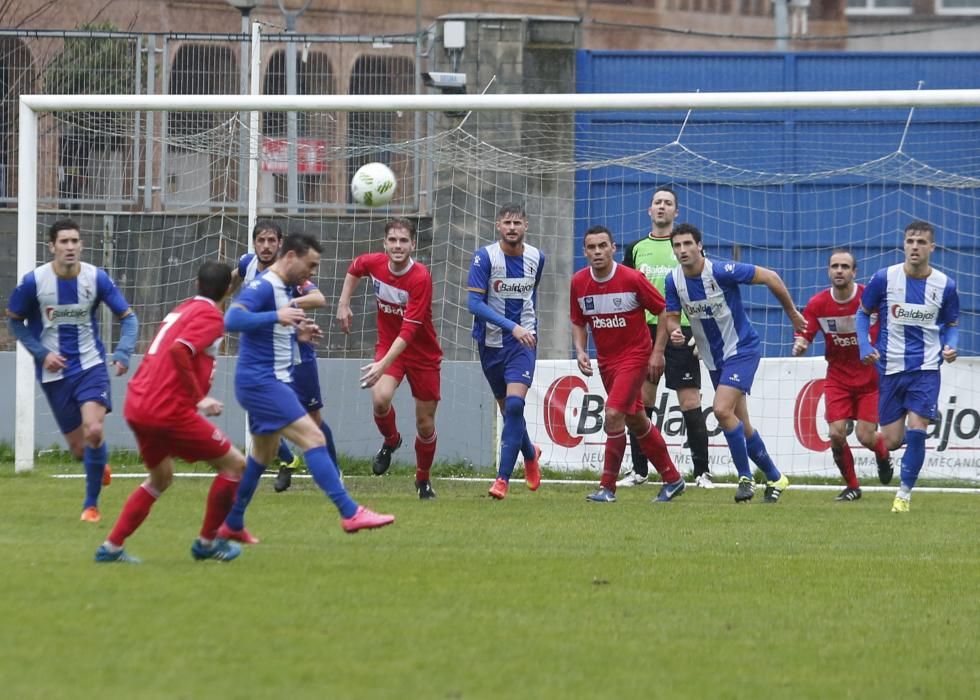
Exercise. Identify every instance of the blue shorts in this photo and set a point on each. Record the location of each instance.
(507, 365)
(66, 396)
(271, 405)
(306, 384)
(737, 371)
(916, 391)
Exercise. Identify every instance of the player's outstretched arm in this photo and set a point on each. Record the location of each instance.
(775, 284)
(344, 313)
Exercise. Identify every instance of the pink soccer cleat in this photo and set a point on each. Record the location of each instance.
(243, 535)
(532, 470)
(365, 519)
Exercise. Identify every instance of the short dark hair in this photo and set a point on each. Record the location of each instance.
(593, 230)
(919, 225)
(62, 225)
(511, 208)
(401, 223)
(213, 280)
(844, 251)
(300, 243)
(666, 188)
(682, 229)
(263, 225)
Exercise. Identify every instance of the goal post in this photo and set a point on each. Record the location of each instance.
(575, 159)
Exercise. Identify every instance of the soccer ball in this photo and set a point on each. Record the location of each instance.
(373, 185)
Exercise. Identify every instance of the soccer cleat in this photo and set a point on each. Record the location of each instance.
(382, 460)
(632, 479)
(745, 490)
(603, 495)
(243, 535)
(900, 505)
(774, 489)
(365, 519)
(669, 492)
(885, 470)
(219, 550)
(498, 489)
(424, 489)
(703, 481)
(532, 470)
(90, 515)
(284, 479)
(848, 494)
(104, 555)
(107, 475)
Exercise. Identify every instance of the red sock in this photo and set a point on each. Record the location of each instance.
(845, 463)
(425, 452)
(387, 428)
(881, 452)
(220, 499)
(613, 460)
(133, 514)
(653, 446)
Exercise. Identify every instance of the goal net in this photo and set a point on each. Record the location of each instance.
(777, 180)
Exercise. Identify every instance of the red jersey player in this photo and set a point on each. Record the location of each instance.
(406, 347)
(610, 299)
(851, 388)
(162, 404)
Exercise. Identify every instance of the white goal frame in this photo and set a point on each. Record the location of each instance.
(32, 106)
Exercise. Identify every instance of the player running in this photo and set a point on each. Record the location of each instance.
(53, 312)
(407, 345)
(164, 402)
(611, 300)
(851, 388)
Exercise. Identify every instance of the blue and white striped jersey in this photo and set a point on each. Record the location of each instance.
(61, 312)
(509, 284)
(911, 312)
(713, 304)
(269, 352)
(248, 267)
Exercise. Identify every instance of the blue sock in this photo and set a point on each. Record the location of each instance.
(512, 435)
(285, 454)
(94, 459)
(527, 447)
(757, 453)
(915, 455)
(325, 474)
(331, 448)
(246, 489)
(740, 454)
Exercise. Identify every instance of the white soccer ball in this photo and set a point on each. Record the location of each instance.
(373, 185)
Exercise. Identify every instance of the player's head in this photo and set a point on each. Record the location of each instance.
(685, 240)
(399, 241)
(663, 208)
(267, 239)
(298, 258)
(599, 249)
(512, 223)
(919, 242)
(65, 242)
(841, 268)
(213, 280)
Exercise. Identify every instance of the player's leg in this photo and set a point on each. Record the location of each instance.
(221, 498)
(868, 434)
(640, 471)
(844, 460)
(382, 394)
(652, 443)
(307, 435)
(96, 451)
(682, 373)
(518, 374)
(426, 390)
(614, 425)
(921, 400)
(327, 436)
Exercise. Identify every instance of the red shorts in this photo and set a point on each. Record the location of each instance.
(424, 380)
(848, 403)
(624, 387)
(191, 437)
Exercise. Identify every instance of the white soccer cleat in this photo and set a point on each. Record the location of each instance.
(631, 479)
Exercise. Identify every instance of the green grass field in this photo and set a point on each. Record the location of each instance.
(538, 596)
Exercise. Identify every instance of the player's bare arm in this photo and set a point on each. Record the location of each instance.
(313, 299)
(672, 322)
(524, 336)
(344, 313)
(655, 367)
(775, 284)
(580, 336)
(210, 406)
(373, 371)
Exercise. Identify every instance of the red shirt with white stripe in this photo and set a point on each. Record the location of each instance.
(404, 307)
(613, 309)
(836, 320)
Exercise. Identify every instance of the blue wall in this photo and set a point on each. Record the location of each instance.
(790, 224)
